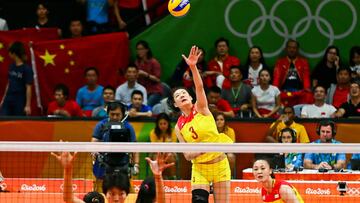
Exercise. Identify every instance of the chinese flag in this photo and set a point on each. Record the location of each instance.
(25, 36)
(64, 61)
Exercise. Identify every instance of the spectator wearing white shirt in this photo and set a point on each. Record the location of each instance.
(3, 25)
(319, 109)
(124, 91)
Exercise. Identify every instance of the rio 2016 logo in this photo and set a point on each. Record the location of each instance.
(300, 28)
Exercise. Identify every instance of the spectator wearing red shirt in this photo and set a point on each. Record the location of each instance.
(218, 104)
(219, 67)
(292, 76)
(149, 72)
(62, 106)
(338, 93)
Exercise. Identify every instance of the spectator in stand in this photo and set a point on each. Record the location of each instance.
(292, 76)
(326, 131)
(108, 96)
(97, 15)
(338, 93)
(17, 95)
(265, 98)
(137, 108)
(76, 28)
(62, 106)
(286, 120)
(127, 15)
(239, 94)
(123, 92)
(182, 74)
(324, 73)
(223, 127)
(354, 62)
(254, 64)
(43, 20)
(218, 104)
(90, 96)
(149, 72)
(319, 109)
(351, 108)
(219, 67)
(163, 132)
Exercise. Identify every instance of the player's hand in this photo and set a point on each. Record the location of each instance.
(193, 57)
(65, 158)
(158, 165)
(27, 110)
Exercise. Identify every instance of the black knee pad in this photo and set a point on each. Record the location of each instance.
(200, 196)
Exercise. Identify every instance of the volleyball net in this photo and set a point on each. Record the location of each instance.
(32, 174)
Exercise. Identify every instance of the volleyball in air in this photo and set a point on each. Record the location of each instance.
(178, 8)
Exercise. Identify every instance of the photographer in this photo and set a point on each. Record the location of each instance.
(109, 162)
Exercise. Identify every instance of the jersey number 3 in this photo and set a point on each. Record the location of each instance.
(194, 134)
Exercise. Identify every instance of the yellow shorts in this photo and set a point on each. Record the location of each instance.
(203, 174)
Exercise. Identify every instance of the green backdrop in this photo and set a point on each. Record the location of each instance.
(316, 24)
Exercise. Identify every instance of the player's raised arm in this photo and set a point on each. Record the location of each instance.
(201, 101)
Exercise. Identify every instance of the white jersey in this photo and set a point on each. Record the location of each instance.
(313, 111)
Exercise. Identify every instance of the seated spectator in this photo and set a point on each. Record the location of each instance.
(76, 28)
(219, 67)
(351, 108)
(326, 130)
(182, 74)
(286, 120)
(338, 93)
(292, 160)
(254, 64)
(265, 98)
(319, 109)
(137, 108)
(292, 76)
(90, 96)
(163, 132)
(223, 127)
(218, 104)
(108, 96)
(149, 72)
(324, 73)
(354, 62)
(123, 92)
(97, 15)
(239, 94)
(62, 106)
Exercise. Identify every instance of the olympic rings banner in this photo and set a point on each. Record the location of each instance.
(316, 24)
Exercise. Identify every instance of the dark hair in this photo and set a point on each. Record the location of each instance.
(292, 133)
(321, 87)
(248, 60)
(342, 68)
(324, 58)
(222, 39)
(115, 105)
(109, 87)
(214, 89)
(147, 192)
(292, 40)
(157, 128)
(223, 115)
(355, 81)
(269, 162)
(264, 69)
(116, 180)
(236, 67)
(354, 50)
(145, 44)
(131, 65)
(44, 3)
(63, 88)
(137, 92)
(171, 101)
(18, 49)
(94, 197)
(289, 107)
(90, 69)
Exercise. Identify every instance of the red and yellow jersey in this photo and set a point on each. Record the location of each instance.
(200, 128)
(275, 196)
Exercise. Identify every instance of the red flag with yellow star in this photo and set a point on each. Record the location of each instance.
(25, 36)
(64, 61)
